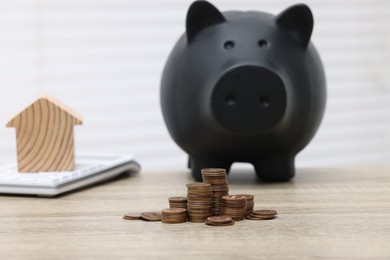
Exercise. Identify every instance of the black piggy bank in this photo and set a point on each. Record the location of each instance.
(244, 87)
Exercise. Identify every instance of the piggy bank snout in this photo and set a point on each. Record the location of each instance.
(249, 99)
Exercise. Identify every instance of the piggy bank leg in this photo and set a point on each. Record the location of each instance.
(275, 169)
(197, 165)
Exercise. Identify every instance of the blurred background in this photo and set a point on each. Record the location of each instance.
(104, 58)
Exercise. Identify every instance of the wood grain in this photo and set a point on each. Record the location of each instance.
(44, 136)
(322, 214)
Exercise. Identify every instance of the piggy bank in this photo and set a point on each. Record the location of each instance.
(244, 87)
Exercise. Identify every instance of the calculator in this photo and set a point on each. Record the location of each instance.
(89, 169)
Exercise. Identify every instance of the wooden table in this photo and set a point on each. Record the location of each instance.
(323, 213)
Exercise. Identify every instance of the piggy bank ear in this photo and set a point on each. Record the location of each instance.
(297, 19)
(201, 14)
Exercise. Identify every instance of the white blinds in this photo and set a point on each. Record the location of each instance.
(104, 58)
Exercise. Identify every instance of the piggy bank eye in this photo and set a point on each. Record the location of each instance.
(262, 43)
(229, 45)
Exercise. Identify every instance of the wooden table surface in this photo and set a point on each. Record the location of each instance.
(323, 213)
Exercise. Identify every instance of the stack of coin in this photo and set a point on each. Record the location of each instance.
(219, 221)
(178, 202)
(217, 177)
(234, 206)
(199, 201)
(174, 215)
(262, 214)
(250, 203)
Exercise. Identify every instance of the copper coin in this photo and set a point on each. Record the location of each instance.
(220, 189)
(203, 196)
(172, 222)
(174, 211)
(177, 199)
(219, 224)
(213, 170)
(198, 185)
(197, 220)
(249, 197)
(151, 216)
(132, 216)
(234, 198)
(263, 212)
(252, 217)
(177, 203)
(220, 219)
(178, 206)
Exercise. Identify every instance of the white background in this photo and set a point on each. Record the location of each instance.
(104, 58)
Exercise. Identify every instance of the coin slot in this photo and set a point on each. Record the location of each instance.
(264, 101)
(230, 100)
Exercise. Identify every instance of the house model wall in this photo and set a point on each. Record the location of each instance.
(44, 136)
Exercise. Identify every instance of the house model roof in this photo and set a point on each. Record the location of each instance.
(78, 119)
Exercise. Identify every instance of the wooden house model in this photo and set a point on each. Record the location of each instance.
(44, 136)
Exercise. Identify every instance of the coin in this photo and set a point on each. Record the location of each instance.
(220, 219)
(198, 186)
(234, 198)
(249, 197)
(151, 216)
(254, 217)
(263, 212)
(219, 224)
(173, 211)
(178, 199)
(132, 216)
(211, 171)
